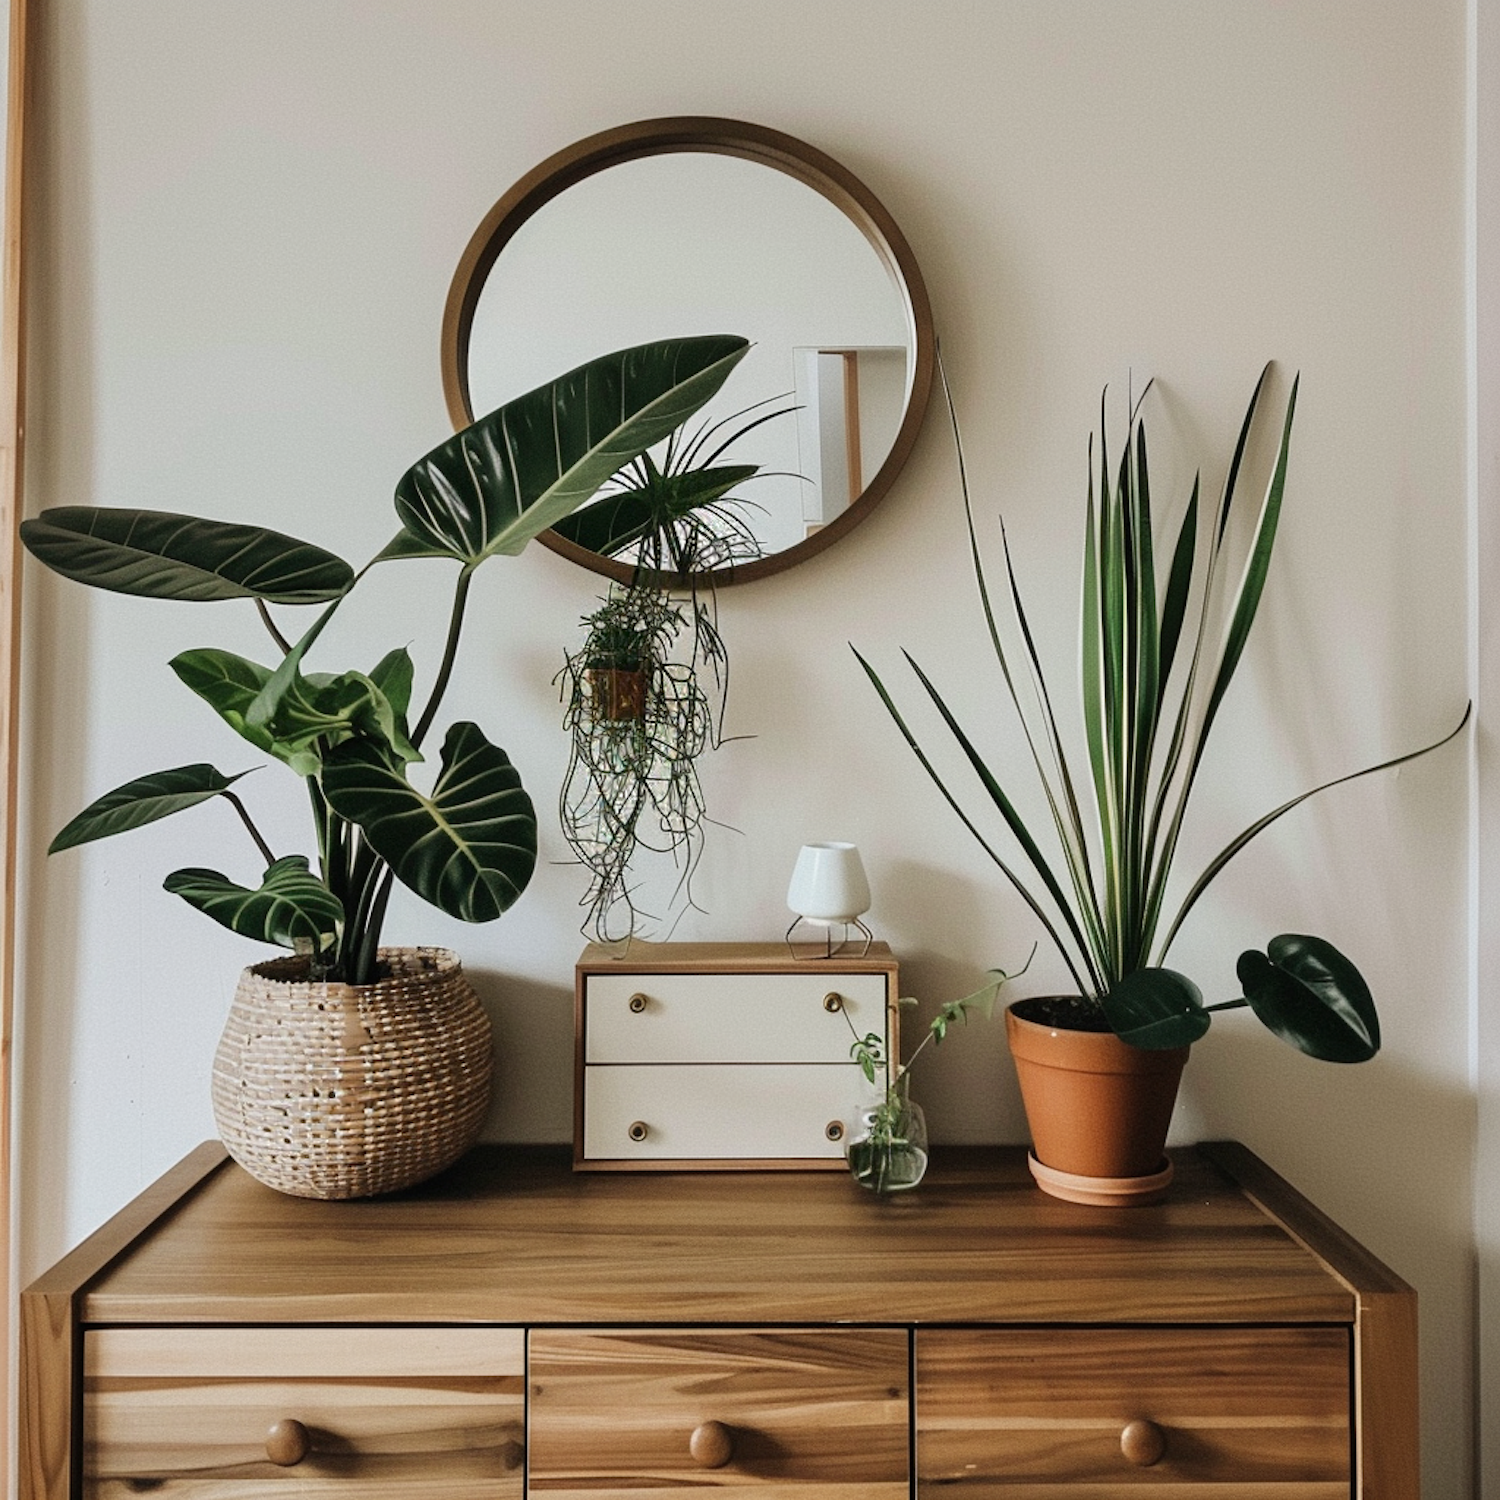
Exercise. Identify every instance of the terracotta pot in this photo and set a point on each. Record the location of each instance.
(1097, 1108)
(618, 693)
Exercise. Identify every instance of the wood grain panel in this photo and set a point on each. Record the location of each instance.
(514, 1236)
(186, 1413)
(820, 1414)
(1003, 1410)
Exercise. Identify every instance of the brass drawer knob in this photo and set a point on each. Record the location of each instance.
(1143, 1443)
(288, 1442)
(712, 1444)
(638, 1002)
(638, 1130)
(833, 1003)
(834, 1130)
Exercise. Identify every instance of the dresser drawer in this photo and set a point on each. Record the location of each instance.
(730, 1018)
(822, 1414)
(720, 1113)
(405, 1413)
(1039, 1413)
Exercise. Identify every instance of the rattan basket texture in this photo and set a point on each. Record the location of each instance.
(327, 1090)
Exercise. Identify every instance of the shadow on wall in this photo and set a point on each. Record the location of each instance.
(967, 1086)
(1386, 1151)
(531, 1021)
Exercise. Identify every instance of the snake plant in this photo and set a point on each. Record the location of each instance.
(468, 846)
(1157, 655)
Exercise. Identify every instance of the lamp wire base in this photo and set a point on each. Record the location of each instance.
(831, 949)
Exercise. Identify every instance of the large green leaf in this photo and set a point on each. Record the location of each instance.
(143, 801)
(292, 908)
(1156, 1009)
(513, 474)
(229, 684)
(1310, 995)
(611, 523)
(469, 848)
(166, 556)
(314, 709)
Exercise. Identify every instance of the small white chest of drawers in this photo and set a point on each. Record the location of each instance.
(723, 1055)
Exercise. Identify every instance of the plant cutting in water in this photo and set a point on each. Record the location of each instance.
(1156, 659)
(884, 1155)
(468, 846)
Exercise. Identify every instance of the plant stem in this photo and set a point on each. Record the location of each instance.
(270, 624)
(363, 971)
(245, 818)
(450, 653)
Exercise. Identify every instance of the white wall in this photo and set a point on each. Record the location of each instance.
(250, 213)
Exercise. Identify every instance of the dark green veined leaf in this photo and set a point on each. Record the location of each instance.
(229, 684)
(393, 674)
(1156, 1009)
(166, 556)
(515, 473)
(1310, 995)
(469, 848)
(611, 523)
(313, 708)
(143, 801)
(292, 908)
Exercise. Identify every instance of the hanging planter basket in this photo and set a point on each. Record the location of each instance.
(326, 1090)
(618, 694)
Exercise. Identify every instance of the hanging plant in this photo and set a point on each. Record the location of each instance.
(645, 695)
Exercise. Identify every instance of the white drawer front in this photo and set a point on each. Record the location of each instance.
(729, 1018)
(719, 1112)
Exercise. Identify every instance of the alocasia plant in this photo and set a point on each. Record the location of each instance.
(469, 845)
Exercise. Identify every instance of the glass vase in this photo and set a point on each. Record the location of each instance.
(887, 1149)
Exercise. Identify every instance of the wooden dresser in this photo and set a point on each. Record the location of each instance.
(514, 1328)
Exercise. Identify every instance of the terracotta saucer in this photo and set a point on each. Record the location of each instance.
(1103, 1192)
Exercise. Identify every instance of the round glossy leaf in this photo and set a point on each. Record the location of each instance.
(166, 556)
(1156, 1009)
(1310, 995)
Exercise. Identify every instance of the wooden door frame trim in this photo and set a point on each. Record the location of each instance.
(12, 493)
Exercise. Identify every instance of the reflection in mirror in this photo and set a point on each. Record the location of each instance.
(672, 228)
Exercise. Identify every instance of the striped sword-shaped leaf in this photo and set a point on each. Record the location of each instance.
(511, 475)
(292, 908)
(469, 848)
(166, 556)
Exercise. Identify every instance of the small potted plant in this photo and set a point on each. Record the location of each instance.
(1157, 656)
(349, 1069)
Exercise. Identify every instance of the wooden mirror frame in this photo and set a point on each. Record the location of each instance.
(725, 138)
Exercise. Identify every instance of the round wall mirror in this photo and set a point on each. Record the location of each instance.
(675, 227)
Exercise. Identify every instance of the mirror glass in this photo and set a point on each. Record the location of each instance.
(713, 237)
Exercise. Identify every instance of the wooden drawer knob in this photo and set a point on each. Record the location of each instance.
(1143, 1443)
(712, 1444)
(288, 1442)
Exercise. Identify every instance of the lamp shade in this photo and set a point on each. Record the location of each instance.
(829, 884)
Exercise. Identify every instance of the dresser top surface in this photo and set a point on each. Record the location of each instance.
(512, 1235)
(641, 957)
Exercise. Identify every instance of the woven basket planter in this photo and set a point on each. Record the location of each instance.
(345, 1091)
